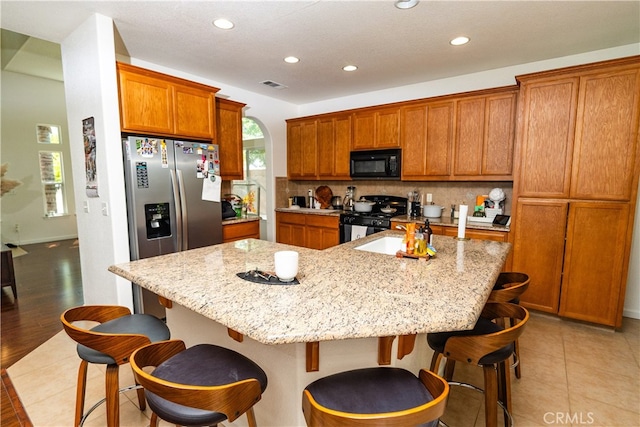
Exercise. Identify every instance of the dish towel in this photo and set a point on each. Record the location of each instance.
(358, 231)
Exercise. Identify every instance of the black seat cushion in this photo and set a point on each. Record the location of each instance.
(438, 340)
(371, 391)
(203, 364)
(145, 324)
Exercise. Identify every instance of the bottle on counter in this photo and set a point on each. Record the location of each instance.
(421, 242)
(428, 232)
(411, 237)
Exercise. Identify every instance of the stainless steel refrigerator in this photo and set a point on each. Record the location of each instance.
(164, 182)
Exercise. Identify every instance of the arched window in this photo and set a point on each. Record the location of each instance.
(254, 186)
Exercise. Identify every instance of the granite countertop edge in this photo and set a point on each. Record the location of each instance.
(240, 220)
(336, 298)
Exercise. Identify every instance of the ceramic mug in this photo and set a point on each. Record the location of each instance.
(286, 265)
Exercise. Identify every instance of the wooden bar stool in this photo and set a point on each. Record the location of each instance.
(508, 288)
(488, 345)
(199, 386)
(110, 343)
(375, 397)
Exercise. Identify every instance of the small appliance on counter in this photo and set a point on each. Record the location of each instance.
(347, 203)
(336, 203)
(489, 206)
(300, 201)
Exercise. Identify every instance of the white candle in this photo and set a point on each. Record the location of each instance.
(462, 221)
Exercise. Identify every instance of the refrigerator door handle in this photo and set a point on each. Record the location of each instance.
(177, 204)
(183, 208)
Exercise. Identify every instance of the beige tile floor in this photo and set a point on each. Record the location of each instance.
(572, 375)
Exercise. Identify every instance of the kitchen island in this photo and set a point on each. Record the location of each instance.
(342, 315)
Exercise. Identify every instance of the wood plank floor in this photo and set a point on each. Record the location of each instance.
(48, 282)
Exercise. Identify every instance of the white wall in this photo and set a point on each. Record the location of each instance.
(88, 61)
(26, 102)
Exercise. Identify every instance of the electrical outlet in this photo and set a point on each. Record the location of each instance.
(16, 228)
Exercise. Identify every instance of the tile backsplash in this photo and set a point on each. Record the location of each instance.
(444, 193)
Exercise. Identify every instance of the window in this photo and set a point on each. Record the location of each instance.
(255, 168)
(51, 172)
(48, 134)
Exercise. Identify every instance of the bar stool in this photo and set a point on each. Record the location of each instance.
(375, 397)
(110, 343)
(508, 288)
(488, 345)
(199, 386)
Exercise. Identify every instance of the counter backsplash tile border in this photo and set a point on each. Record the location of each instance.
(444, 193)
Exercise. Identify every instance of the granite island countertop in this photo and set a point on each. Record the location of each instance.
(344, 293)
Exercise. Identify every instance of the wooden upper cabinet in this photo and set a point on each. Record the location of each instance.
(594, 263)
(158, 104)
(439, 139)
(194, 112)
(546, 133)
(427, 138)
(146, 103)
(413, 125)
(470, 124)
(302, 149)
(229, 140)
(376, 128)
(606, 147)
(500, 127)
(334, 144)
(578, 133)
(485, 128)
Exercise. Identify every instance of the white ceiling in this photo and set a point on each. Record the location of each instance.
(391, 47)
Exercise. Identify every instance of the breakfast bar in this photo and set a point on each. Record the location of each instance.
(345, 312)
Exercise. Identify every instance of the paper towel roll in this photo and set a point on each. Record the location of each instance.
(462, 221)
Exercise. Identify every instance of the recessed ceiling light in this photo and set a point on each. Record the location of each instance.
(406, 4)
(349, 68)
(223, 24)
(291, 59)
(459, 41)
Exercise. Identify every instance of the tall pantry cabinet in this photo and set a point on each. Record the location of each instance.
(575, 187)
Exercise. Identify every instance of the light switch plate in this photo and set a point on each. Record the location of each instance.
(105, 209)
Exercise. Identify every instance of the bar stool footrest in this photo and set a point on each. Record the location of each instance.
(478, 389)
(100, 402)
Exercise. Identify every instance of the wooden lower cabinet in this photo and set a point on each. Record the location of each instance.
(307, 230)
(574, 253)
(496, 236)
(538, 250)
(322, 232)
(240, 230)
(594, 262)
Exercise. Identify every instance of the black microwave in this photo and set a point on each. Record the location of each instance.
(376, 164)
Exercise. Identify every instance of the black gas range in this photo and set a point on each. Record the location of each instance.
(371, 222)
